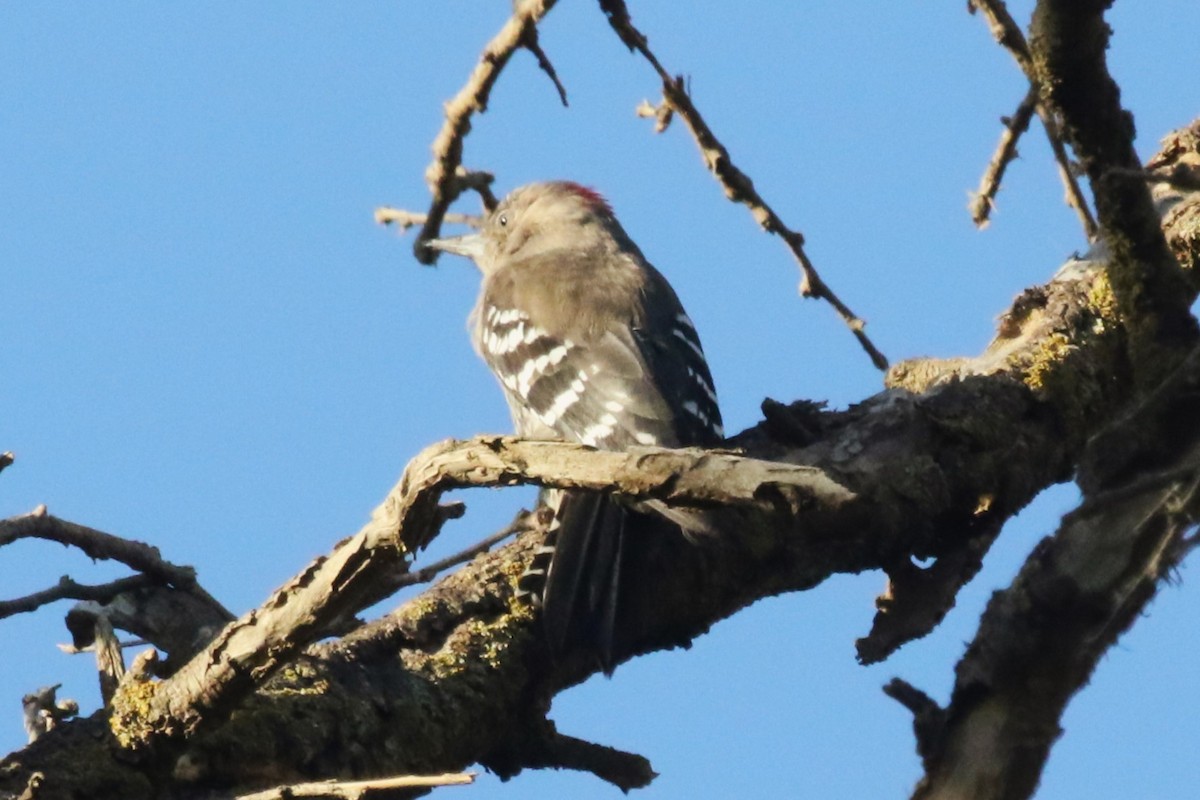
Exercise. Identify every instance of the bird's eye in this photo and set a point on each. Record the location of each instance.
(503, 220)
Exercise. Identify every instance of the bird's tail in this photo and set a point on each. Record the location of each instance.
(585, 575)
(579, 568)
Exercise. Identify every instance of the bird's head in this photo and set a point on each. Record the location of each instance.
(536, 219)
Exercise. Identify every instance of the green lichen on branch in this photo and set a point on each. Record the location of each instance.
(130, 709)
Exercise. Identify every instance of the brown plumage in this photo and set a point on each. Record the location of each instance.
(590, 344)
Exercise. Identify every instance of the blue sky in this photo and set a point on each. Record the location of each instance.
(208, 345)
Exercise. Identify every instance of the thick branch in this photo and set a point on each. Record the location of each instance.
(464, 665)
(1040, 640)
(350, 578)
(175, 622)
(1067, 47)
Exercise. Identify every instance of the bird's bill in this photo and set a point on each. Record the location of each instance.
(470, 245)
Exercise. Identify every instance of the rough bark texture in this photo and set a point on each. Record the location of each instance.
(930, 467)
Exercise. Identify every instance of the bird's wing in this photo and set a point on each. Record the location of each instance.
(623, 388)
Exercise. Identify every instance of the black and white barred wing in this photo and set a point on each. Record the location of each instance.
(673, 356)
(600, 392)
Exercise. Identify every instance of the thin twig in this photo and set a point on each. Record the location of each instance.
(738, 186)
(1009, 36)
(442, 176)
(359, 790)
(478, 181)
(72, 650)
(40, 524)
(1005, 31)
(428, 573)
(1074, 196)
(402, 219)
(532, 44)
(984, 200)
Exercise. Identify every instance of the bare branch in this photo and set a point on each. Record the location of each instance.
(164, 605)
(1041, 638)
(39, 524)
(443, 174)
(463, 663)
(904, 489)
(928, 718)
(917, 599)
(386, 215)
(737, 185)
(68, 589)
(428, 573)
(1008, 34)
(361, 790)
(531, 44)
(624, 770)
(177, 622)
(984, 199)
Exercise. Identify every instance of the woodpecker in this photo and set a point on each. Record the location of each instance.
(590, 344)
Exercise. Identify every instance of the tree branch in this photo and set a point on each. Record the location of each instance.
(463, 663)
(984, 198)
(68, 589)
(1067, 47)
(1008, 35)
(1040, 639)
(361, 790)
(737, 185)
(39, 524)
(443, 175)
(349, 579)
(176, 622)
(386, 215)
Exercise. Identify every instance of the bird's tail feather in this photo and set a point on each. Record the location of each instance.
(582, 594)
(593, 544)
